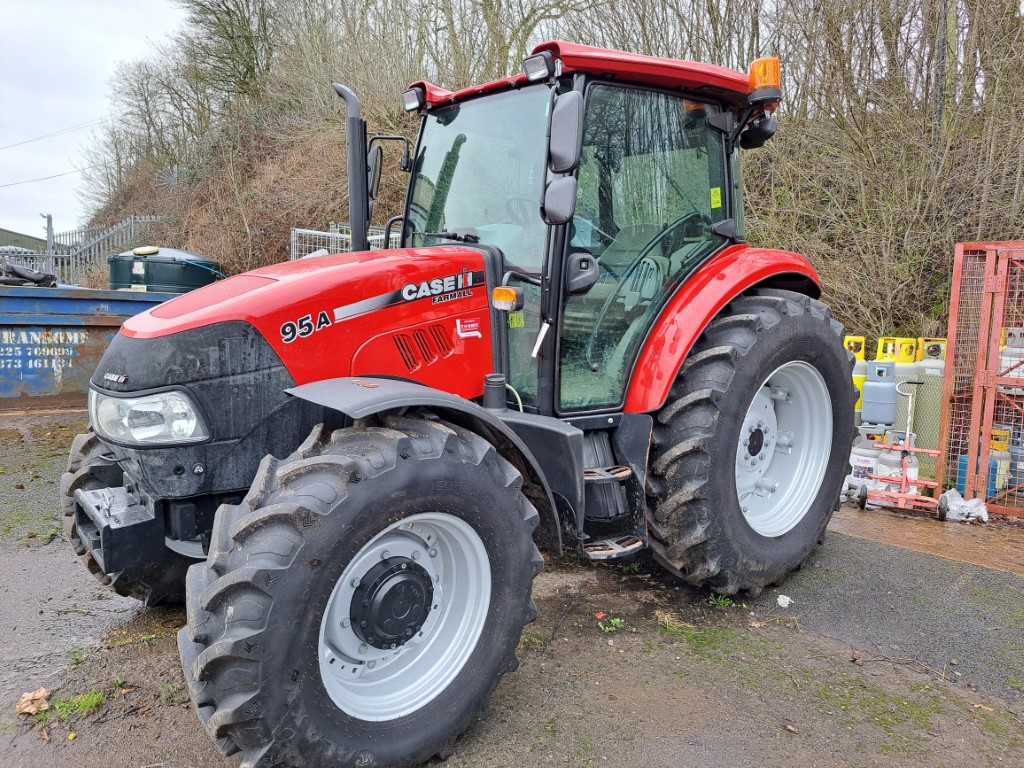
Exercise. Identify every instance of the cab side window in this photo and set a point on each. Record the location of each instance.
(652, 183)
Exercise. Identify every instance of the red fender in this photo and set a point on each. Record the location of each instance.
(696, 303)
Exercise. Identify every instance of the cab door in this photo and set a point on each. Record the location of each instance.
(652, 183)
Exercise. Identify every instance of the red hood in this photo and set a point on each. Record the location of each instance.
(327, 282)
(420, 313)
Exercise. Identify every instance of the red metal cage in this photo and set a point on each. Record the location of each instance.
(983, 391)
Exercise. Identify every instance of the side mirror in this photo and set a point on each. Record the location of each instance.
(566, 134)
(758, 133)
(560, 200)
(374, 161)
(581, 273)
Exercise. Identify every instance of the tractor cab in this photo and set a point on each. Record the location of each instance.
(602, 187)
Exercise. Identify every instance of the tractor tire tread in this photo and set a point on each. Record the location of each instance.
(680, 511)
(255, 539)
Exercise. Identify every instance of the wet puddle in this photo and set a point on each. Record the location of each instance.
(52, 611)
(999, 546)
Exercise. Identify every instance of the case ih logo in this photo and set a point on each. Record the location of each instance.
(439, 289)
(448, 288)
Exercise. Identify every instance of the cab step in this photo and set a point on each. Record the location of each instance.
(617, 474)
(617, 546)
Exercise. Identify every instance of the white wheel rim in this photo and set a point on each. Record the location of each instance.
(384, 683)
(783, 448)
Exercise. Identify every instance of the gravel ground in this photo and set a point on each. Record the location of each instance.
(886, 657)
(959, 619)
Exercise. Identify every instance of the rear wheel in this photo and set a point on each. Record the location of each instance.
(153, 584)
(751, 450)
(363, 601)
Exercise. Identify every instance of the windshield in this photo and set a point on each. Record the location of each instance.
(479, 172)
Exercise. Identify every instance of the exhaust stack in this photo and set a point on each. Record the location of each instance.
(358, 197)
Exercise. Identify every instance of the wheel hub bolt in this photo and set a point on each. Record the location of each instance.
(416, 555)
(354, 583)
(371, 664)
(362, 648)
(385, 554)
(433, 553)
(346, 623)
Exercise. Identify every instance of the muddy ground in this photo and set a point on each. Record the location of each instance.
(886, 656)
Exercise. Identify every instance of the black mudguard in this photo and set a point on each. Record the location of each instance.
(360, 396)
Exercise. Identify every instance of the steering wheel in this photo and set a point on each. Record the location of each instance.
(519, 209)
(606, 238)
(624, 276)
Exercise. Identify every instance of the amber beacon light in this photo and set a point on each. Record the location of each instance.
(765, 83)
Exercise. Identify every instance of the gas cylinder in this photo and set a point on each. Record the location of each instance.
(931, 367)
(1011, 360)
(864, 458)
(902, 352)
(998, 473)
(899, 349)
(890, 463)
(999, 451)
(961, 477)
(1017, 468)
(931, 349)
(879, 400)
(855, 345)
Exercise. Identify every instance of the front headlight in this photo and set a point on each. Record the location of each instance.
(165, 418)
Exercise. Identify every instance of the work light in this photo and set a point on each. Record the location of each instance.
(539, 67)
(413, 99)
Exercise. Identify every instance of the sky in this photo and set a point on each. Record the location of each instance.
(56, 61)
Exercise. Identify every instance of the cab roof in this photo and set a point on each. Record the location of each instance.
(609, 64)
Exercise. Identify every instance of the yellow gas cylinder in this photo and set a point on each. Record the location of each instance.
(855, 345)
(903, 352)
(999, 452)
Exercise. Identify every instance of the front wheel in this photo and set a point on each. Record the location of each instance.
(751, 450)
(363, 601)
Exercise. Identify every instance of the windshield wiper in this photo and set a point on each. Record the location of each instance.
(467, 238)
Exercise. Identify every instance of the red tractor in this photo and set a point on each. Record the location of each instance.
(359, 455)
